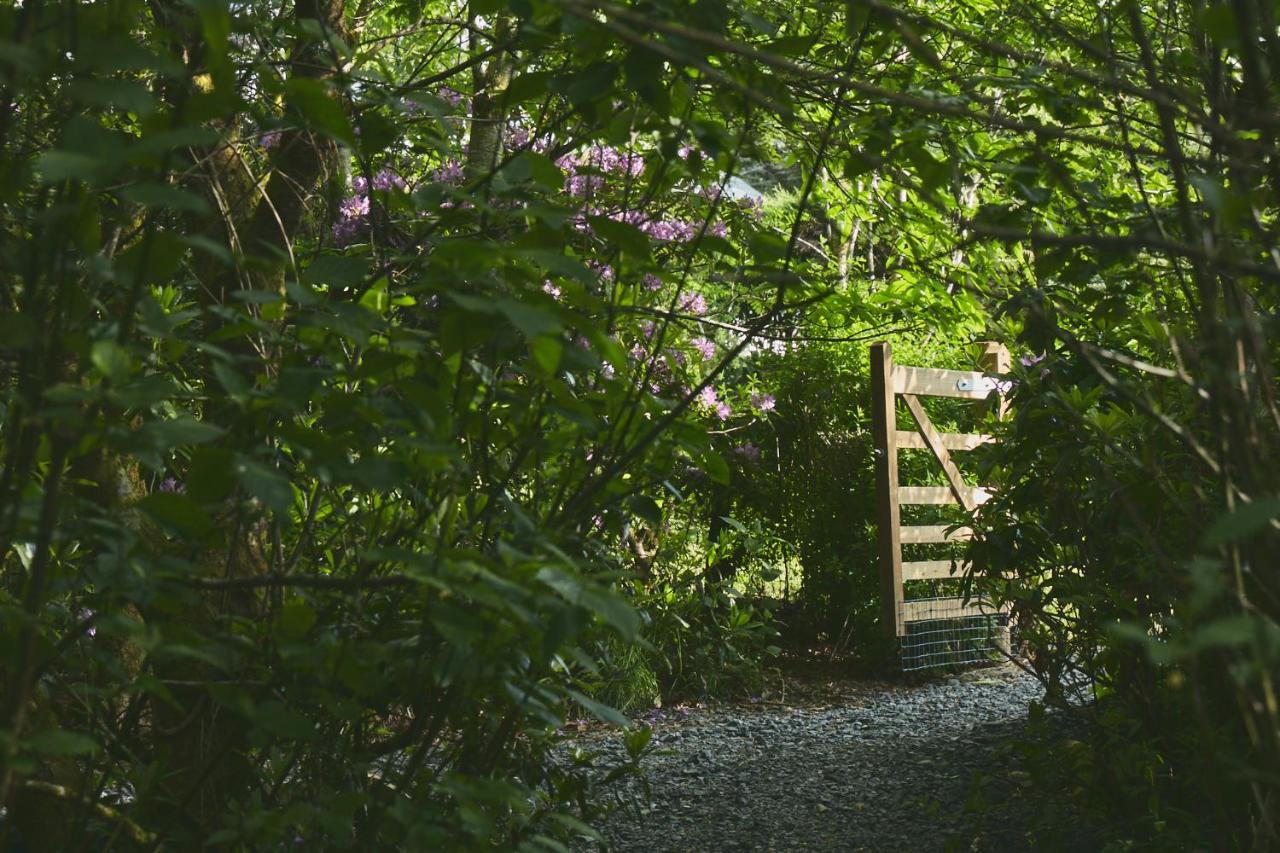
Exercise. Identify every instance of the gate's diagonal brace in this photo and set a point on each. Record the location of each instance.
(964, 496)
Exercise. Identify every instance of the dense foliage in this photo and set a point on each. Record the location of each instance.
(382, 383)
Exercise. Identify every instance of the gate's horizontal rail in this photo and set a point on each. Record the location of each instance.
(930, 570)
(940, 495)
(928, 534)
(926, 609)
(936, 382)
(913, 440)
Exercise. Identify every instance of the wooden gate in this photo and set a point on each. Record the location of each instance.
(890, 383)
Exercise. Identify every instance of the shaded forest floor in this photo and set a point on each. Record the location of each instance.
(835, 764)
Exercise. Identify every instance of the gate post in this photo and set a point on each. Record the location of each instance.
(884, 426)
(995, 359)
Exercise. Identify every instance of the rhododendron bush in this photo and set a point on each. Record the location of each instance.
(381, 383)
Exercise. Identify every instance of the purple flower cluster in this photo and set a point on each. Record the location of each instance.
(270, 139)
(601, 269)
(450, 172)
(651, 281)
(353, 212)
(518, 137)
(171, 485)
(601, 160)
(693, 303)
(763, 402)
(708, 398)
(353, 220)
(705, 347)
(752, 205)
(449, 95)
(612, 161)
(354, 207)
(580, 186)
(667, 231)
(387, 180)
(749, 451)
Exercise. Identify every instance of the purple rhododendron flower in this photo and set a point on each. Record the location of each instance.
(749, 451)
(707, 396)
(449, 95)
(359, 185)
(345, 231)
(173, 486)
(354, 207)
(651, 281)
(580, 186)
(550, 289)
(723, 411)
(387, 180)
(449, 173)
(270, 139)
(518, 137)
(601, 269)
(694, 303)
(763, 402)
(704, 346)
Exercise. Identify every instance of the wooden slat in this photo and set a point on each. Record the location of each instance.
(929, 570)
(884, 417)
(931, 534)
(940, 495)
(935, 382)
(945, 608)
(911, 439)
(940, 452)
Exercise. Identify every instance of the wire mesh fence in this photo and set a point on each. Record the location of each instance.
(943, 633)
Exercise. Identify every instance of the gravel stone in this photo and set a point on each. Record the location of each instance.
(879, 767)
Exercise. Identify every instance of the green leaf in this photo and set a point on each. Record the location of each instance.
(336, 270)
(317, 106)
(1242, 523)
(715, 467)
(591, 84)
(266, 484)
(528, 86)
(546, 352)
(296, 618)
(622, 235)
(612, 609)
(280, 720)
(111, 359)
(62, 742)
(178, 432)
(647, 508)
(121, 94)
(157, 196)
(180, 514)
(602, 712)
(57, 166)
(211, 475)
(1228, 632)
(857, 15)
(919, 48)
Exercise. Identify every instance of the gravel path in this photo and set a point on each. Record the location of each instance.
(864, 767)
